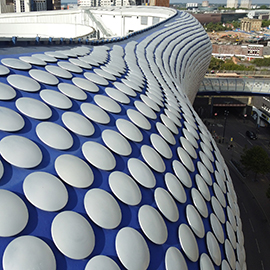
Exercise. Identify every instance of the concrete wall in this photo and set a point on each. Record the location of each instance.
(61, 24)
(115, 21)
(123, 20)
(25, 30)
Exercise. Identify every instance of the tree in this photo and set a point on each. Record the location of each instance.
(264, 7)
(261, 62)
(215, 64)
(265, 23)
(256, 159)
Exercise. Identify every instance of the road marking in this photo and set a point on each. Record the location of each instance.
(250, 142)
(251, 225)
(257, 245)
(241, 134)
(244, 207)
(262, 265)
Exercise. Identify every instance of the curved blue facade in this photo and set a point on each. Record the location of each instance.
(103, 154)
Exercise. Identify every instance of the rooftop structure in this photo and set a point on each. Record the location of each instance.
(104, 162)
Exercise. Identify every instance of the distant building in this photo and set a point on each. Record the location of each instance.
(245, 52)
(232, 3)
(161, 3)
(218, 17)
(6, 6)
(248, 24)
(56, 4)
(106, 3)
(22, 5)
(87, 3)
(191, 5)
(259, 14)
(34, 5)
(205, 3)
(245, 4)
(208, 17)
(40, 5)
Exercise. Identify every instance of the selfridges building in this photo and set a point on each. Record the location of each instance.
(104, 163)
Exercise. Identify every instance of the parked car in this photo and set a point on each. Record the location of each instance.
(252, 135)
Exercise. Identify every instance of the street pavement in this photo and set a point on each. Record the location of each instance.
(253, 203)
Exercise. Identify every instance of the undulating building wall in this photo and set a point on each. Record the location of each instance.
(104, 163)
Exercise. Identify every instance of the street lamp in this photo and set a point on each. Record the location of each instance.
(226, 113)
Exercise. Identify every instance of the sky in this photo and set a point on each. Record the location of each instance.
(254, 2)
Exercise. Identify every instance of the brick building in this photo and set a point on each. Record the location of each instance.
(246, 52)
(161, 3)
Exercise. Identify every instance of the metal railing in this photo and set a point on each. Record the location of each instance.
(105, 32)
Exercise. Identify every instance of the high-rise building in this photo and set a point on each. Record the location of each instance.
(161, 3)
(56, 4)
(232, 3)
(6, 6)
(245, 4)
(23, 5)
(205, 3)
(40, 5)
(36, 5)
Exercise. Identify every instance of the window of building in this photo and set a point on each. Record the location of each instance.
(155, 20)
(22, 6)
(144, 20)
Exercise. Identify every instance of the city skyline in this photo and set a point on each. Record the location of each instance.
(266, 2)
(254, 2)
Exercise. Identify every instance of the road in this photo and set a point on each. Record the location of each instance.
(256, 226)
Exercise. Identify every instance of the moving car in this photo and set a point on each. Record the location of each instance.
(252, 135)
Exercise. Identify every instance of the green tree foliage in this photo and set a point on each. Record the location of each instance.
(265, 23)
(236, 24)
(230, 65)
(261, 62)
(264, 7)
(218, 64)
(225, 8)
(256, 160)
(215, 64)
(210, 27)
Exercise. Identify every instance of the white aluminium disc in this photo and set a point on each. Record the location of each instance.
(28, 252)
(74, 171)
(45, 191)
(125, 188)
(102, 208)
(132, 249)
(188, 242)
(54, 135)
(13, 213)
(141, 173)
(20, 151)
(78, 123)
(116, 142)
(152, 224)
(98, 155)
(73, 235)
